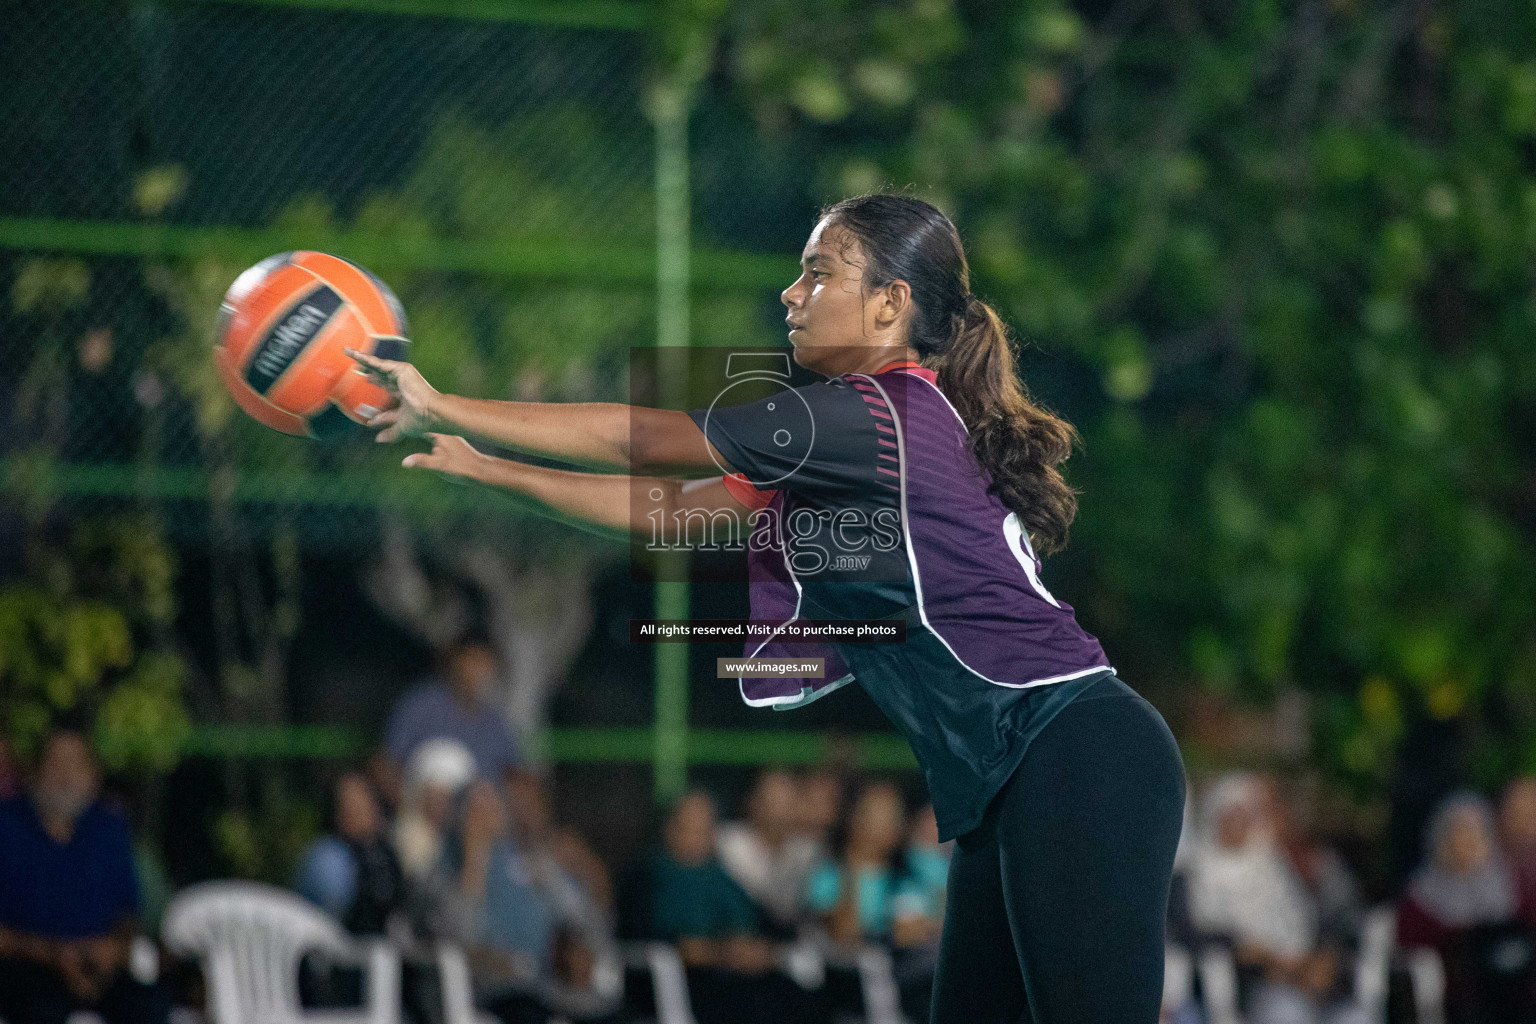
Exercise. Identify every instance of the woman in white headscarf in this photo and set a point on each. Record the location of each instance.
(1240, 884)
(1244, 890)
(1462, 902)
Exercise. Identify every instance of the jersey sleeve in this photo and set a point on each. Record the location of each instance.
(742, 490)
(819, 439)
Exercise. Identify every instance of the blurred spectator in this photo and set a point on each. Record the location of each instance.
(694, 902)
(437, 771)
(1517, 831)
(68, 898)
(820, 804)
(1181, 929)
(351, 872)
(516, 914)
(535, 829)
(576, 881)
(456, 705)
(765, 856)
(1244, 891)
(918, 912)
(1462, 903)
(697, 906)
(1334, 893)
(856, 892)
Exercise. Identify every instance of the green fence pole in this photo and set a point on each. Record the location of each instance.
(670, 110)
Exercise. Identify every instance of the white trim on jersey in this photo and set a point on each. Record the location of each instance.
(807, 695)
(917, 580)
(787, 702)
(1014, 532)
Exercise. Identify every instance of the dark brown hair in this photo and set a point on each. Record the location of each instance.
(964, 341)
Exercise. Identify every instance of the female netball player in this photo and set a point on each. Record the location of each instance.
(1064, 787)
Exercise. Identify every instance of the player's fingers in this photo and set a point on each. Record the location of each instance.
(384, 417)
(382, 372)
(365, 362)
(372, 361)
(387, 435)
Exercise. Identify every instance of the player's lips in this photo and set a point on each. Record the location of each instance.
(794, 325)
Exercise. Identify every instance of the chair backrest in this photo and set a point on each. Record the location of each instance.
(1178, 977)
(1218, 984)
(1373, 969)
(251, 938)
(877, 979)
(670, 983)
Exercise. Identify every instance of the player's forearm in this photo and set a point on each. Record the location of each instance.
(614, 502)
(598, 434)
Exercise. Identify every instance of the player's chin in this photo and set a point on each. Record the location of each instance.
(807, 356)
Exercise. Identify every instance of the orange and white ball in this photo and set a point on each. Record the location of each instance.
(283, 329)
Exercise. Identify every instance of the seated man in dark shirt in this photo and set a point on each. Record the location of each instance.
(68, 898)
(456, 704)
(733, 970)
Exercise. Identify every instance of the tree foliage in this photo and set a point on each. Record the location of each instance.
(82, 640)
(1275, 260)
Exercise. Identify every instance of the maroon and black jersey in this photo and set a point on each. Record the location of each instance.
(881, 511)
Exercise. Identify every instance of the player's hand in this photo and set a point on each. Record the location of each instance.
(451, 456)
(412, 414)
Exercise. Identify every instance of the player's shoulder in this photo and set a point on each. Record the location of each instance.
(845, 390)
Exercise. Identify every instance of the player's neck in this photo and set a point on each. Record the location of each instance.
(878, 358)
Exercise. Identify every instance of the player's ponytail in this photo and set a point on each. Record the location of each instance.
(1018, 442)
(967, 345)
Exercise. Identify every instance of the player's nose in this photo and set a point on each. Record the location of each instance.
(792, 296)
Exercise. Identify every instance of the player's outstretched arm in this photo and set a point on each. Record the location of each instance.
(621, 504)
(609, 435)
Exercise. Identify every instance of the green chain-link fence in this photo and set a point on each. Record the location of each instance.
(494, 162)
(517, 171)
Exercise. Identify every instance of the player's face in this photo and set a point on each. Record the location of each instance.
(829, 312)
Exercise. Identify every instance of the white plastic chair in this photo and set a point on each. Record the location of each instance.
(669, 979)
(1218, 984)
(1178, 977)
(1373, 967)
(1374, 960)
(877, 979)
(1428, 977)
(458, 987)
(251, 938)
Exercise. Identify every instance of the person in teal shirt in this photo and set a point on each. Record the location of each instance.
(733, 971)
(856, 894)
(695, 903)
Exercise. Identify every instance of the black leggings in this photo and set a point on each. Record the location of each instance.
(1057, 900)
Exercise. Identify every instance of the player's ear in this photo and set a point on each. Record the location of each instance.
(895, 303)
